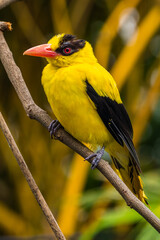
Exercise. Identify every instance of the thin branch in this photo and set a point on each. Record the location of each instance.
(5, 26)
(29, 178)
(33, 111)
(5, 3)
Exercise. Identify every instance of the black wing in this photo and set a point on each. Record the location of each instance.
(116, 120)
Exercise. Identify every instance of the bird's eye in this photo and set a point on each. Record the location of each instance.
(67, 50)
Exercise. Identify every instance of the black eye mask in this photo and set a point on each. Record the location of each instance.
(70, 44)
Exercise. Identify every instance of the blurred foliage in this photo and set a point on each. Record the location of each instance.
(126, 38)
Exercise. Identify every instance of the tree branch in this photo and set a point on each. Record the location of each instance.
(31, 182)
(5, 3)
(33, 111)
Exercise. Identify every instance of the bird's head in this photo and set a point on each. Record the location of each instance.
(64, 50)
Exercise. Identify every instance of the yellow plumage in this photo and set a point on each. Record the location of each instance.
(75, 84)
(71, 105)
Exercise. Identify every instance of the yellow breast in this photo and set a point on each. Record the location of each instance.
(66, 92)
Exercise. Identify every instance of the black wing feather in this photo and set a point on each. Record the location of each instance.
(116, 120)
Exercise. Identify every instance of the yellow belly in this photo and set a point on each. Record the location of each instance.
(73, 108)
(81, 120)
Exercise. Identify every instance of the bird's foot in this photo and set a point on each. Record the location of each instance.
(97, 157)
(53, 127)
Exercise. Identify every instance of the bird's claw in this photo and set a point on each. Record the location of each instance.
(53, 127)
(97, 157)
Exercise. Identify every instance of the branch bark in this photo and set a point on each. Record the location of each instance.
(31, 182)
(5, 3)
(33, 111)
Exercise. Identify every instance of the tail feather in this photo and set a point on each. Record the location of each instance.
(131, 176)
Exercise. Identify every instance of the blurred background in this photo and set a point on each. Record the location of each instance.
(125, 36)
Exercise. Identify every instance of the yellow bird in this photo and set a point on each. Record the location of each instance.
(85, 100)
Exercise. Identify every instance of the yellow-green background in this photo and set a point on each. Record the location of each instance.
(126, 40)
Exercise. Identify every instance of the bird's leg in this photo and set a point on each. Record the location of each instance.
(97, 156)
(53, 127)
